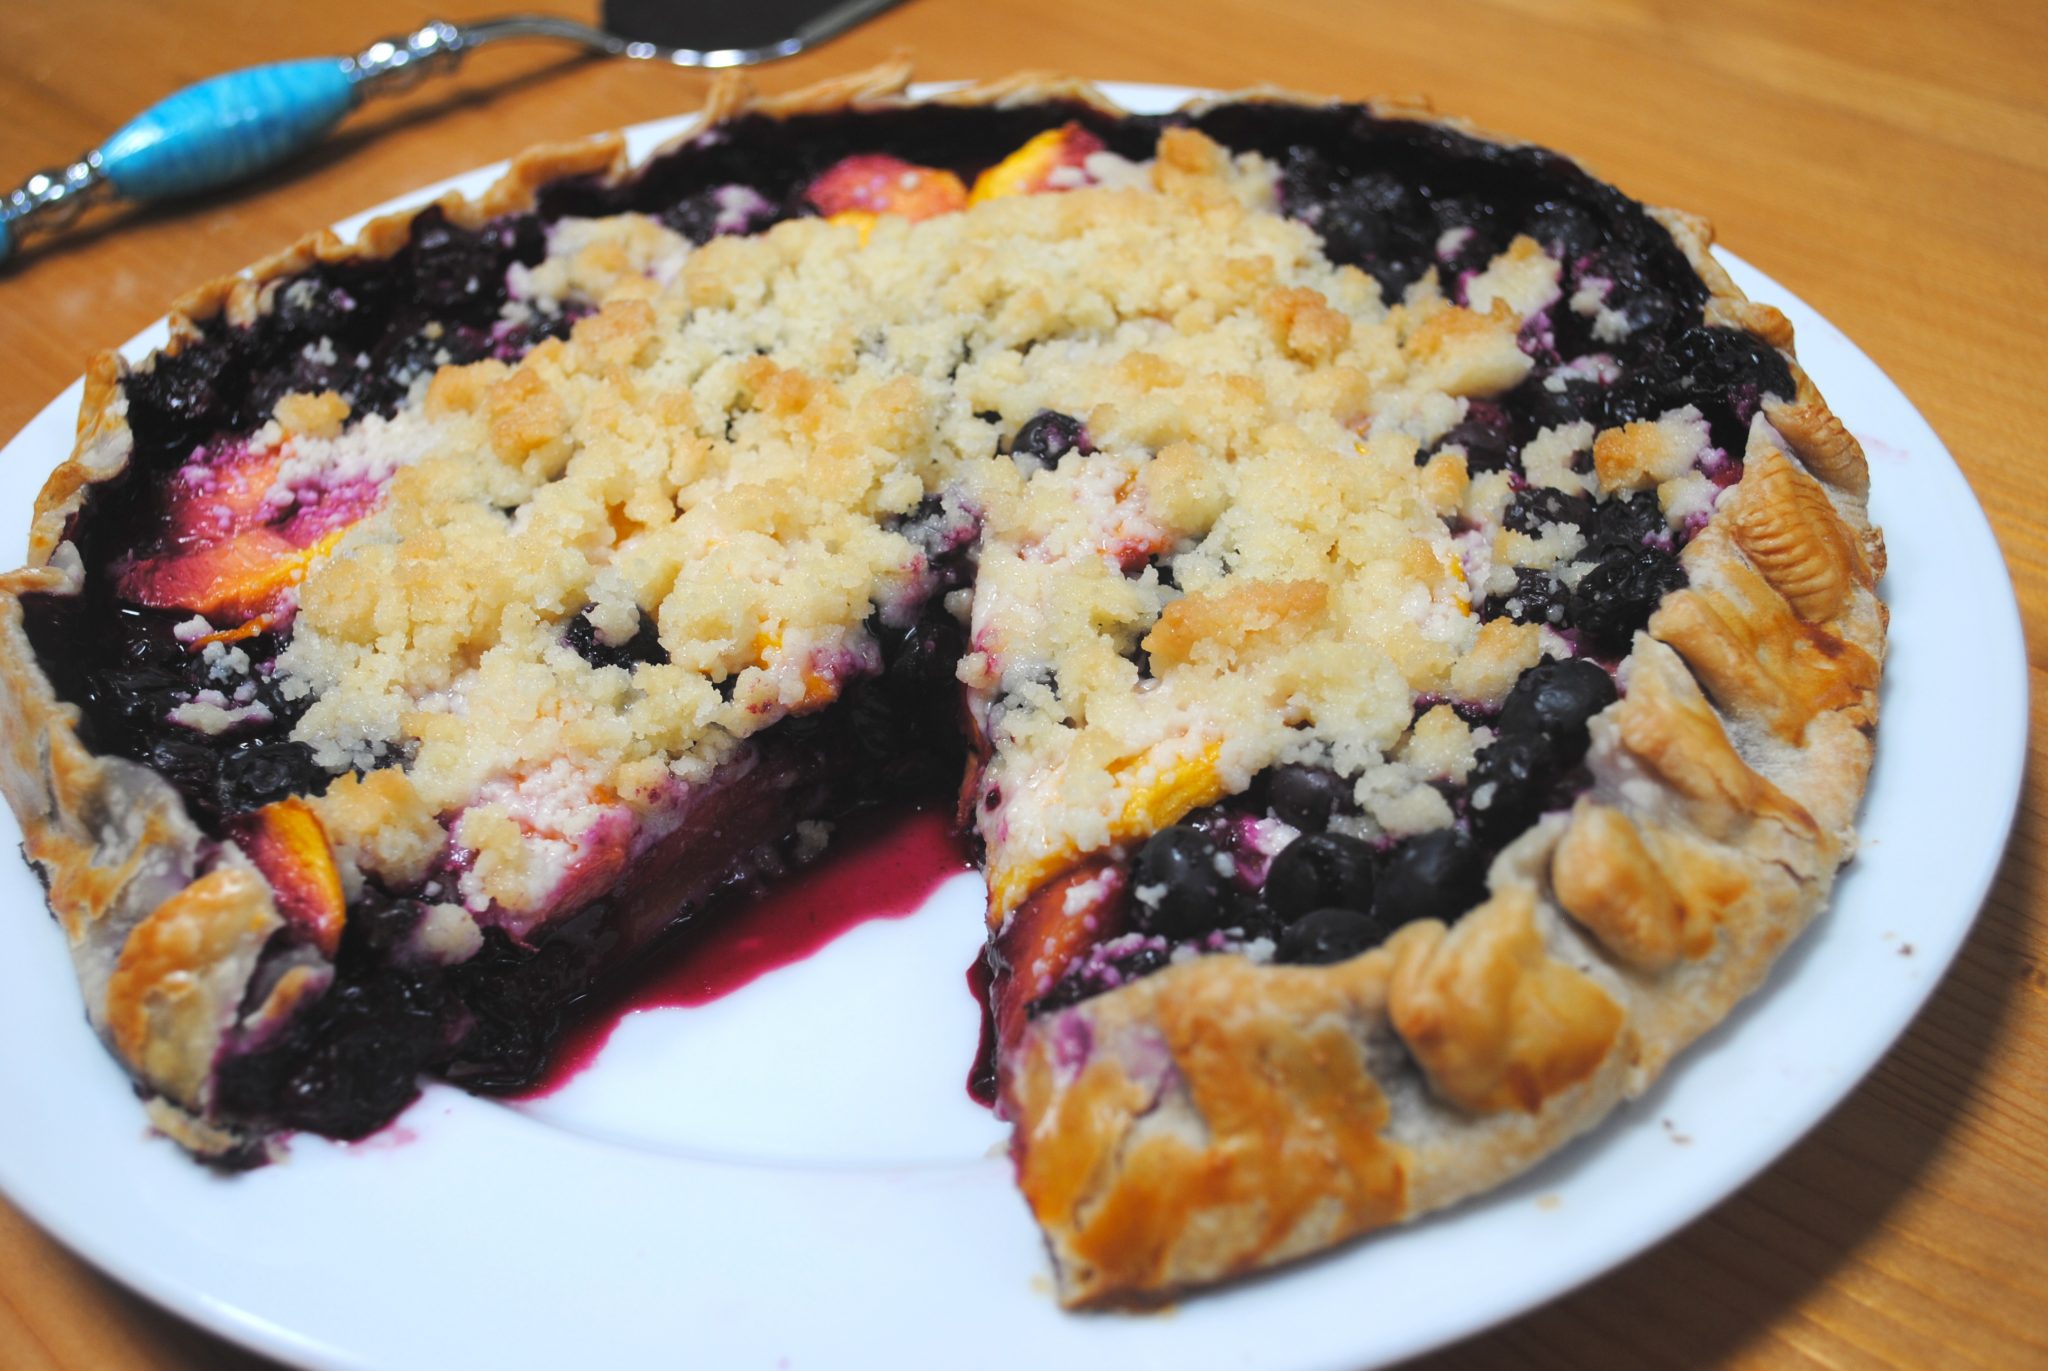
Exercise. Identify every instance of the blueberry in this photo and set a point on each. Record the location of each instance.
(1536, 599)
(145, 690)
(1307, 183)
(1306, 796)
(510, 342)
(1184, 888)
(1328, 935)
(1510, 780)
(264, 768)
(1487, 435)
(1626, 523)
(1554, 700)
(1435, 875)
(403, 354)
(1619, 595)
(1048, 436)
(643, 648)
(1531, 509)
(1317, 870)
(351, 1061)
(382, 922)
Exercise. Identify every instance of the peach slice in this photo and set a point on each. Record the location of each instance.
(821, 688)
(1035, 166)
(1057, 923)
(288, 845)
(1181, 785)
(223, 496)
(239, 578)
(870, 184)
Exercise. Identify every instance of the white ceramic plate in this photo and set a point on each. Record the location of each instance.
(794, 1177)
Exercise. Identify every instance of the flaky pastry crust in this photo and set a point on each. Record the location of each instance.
(1220, 1116)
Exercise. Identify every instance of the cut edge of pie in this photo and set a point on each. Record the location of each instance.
(1218, 1116)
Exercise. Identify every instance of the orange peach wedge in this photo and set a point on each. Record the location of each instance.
(235, 579)
(288, 845)
(1039, 164)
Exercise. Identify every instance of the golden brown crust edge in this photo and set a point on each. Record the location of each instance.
(1164, 1130)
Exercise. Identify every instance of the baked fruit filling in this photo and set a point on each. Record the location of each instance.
(1249, 518)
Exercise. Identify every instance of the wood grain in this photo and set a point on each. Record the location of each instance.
(1888, 161)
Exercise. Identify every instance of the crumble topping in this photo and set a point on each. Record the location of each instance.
(747, 445)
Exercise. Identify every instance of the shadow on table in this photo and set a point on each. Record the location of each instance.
(1701, 1297)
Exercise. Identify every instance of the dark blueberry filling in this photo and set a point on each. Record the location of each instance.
(1553, 401)
(126, 670)
(1398, 198)
(1306, 796)
(1623, 523)
(642, 649)
(364, 329)
(1329, 935)
(1486, 433)
(1436, 875)
(1723, 371)
(1619, 594)
(779, 158)
(1537, 506)
(1185, 883)
(1538, 598)
(1510, 782)
(1554, 700)
(1372, 220)
(352, 1062)
(705, 214)
(1318, 870)
(1202, 884)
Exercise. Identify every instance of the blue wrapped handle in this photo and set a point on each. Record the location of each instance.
(227, 128)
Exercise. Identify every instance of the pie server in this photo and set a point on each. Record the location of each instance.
(231, 127)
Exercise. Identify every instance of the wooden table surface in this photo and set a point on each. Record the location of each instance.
(1886, 160)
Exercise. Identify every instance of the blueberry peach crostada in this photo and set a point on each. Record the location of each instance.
(1399, 628)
